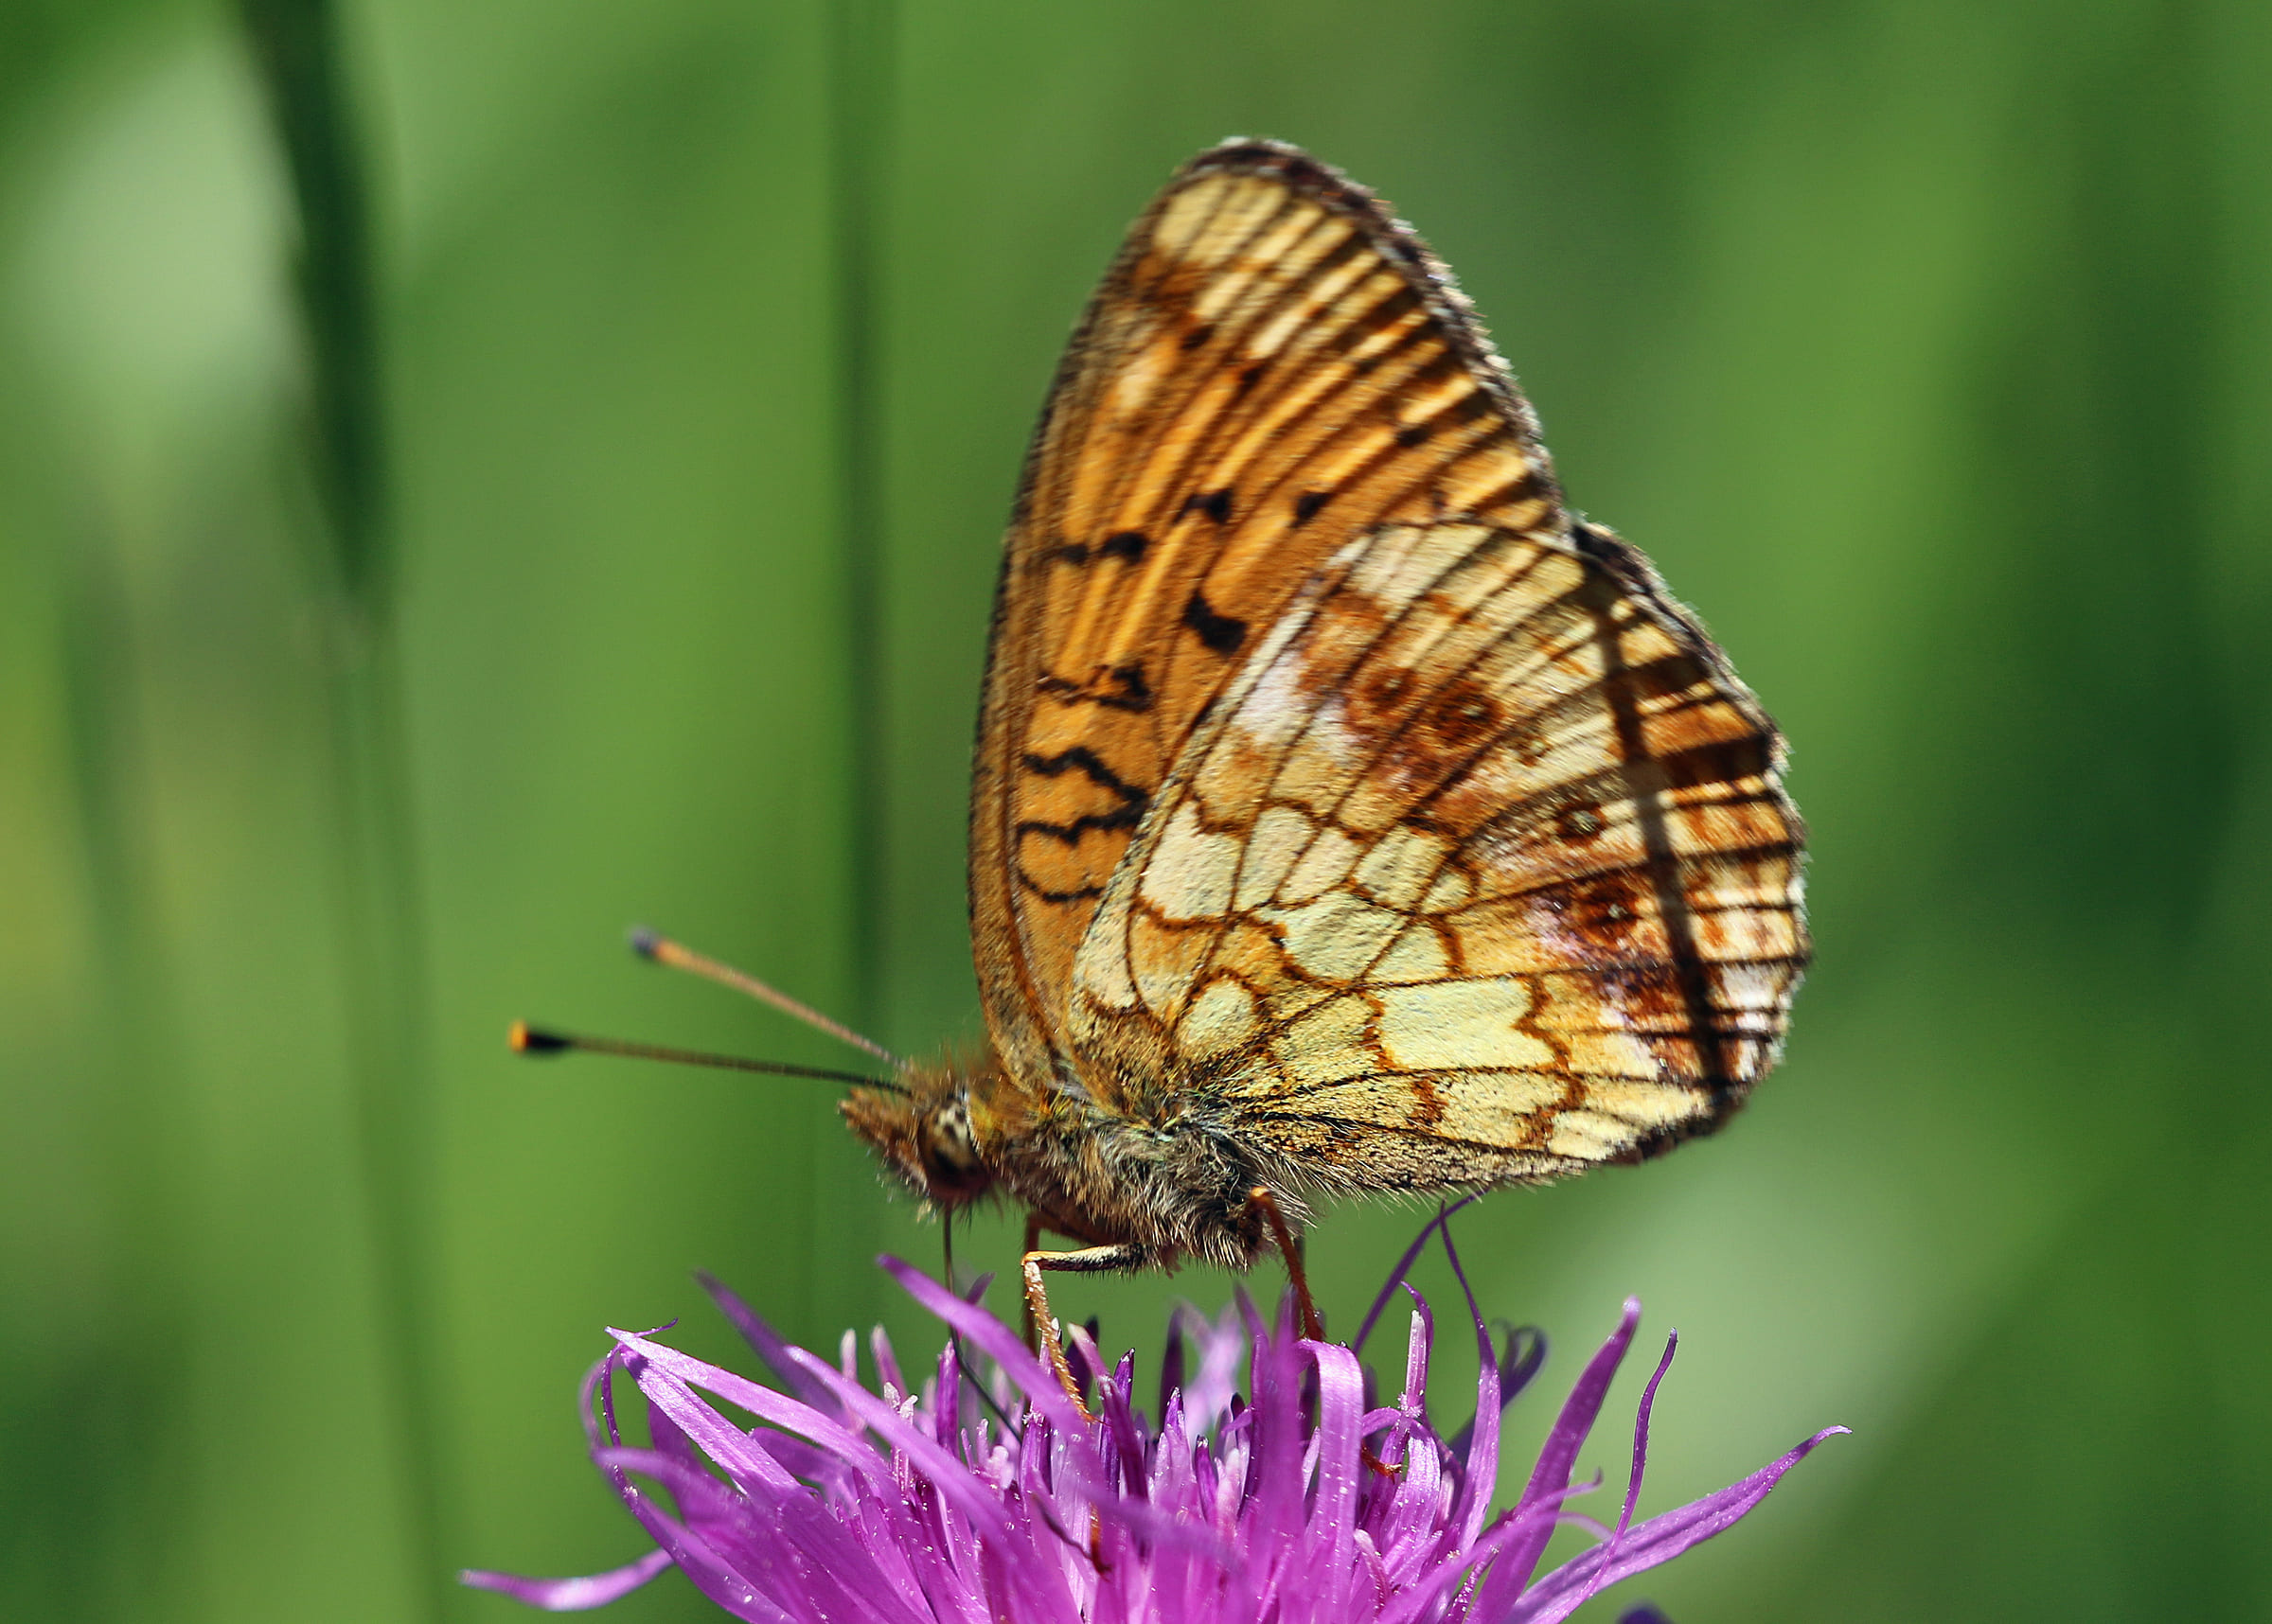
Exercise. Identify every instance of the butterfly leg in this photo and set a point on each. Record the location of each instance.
(1088, 1260)
(1033, 1245)
(1289, 1248)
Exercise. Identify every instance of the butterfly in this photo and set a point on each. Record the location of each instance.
(1348, 815)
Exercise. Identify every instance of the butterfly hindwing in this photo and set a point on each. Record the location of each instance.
(1273, 368)
(1482, 871)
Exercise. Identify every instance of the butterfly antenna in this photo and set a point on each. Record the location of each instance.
(526, 1039)
(662, 950)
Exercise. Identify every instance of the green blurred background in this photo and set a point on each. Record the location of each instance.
(1927, 344)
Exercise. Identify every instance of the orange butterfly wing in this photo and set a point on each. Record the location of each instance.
(1272, 367)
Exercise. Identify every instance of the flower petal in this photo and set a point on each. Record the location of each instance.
(1569, 1432)
(571, 1594)
(771, 1344)
(1340, 1403)
(1478, 1460)
(761, 1401)
(1518, 1365)
(993, 1338)
(1655, 1542)
(1641, 1463)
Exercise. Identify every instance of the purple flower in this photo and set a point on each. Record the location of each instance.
(1300, 1501)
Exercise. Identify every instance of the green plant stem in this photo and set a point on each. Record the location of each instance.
(383, 962)
(861, 41)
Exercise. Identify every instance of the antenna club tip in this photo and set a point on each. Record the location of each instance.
(645, 943)
(526, 1039)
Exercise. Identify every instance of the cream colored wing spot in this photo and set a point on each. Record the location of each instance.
(1619, 1056)
(1366, 1097)
(1165, 959)
(1452, 889)
(1141, 381)
(1191, 870)
(1750, 987)
(1235, 779)
(1746, 934)
(1495, 1107)
(1408, 559)
(1288, 270)
(1212, 219)
(1281, 835)
(1283, 330)
(1418, 954)
(1278, 707)
(1324, 866)
(1402, 867)
(1288, 1002)
(1107, 980)
(1422, 407)
(1646, 1105)
(1473, 1024)
(1220, 1021)
(1588, 1135)
(1482, 1108)
(1330, 1044)
(1337, 937)
(1312, 770)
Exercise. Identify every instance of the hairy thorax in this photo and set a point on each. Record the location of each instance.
(1172, 1188)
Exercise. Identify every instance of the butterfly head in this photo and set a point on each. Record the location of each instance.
(924, 1136)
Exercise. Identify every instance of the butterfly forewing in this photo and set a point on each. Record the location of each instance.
(1272, 369)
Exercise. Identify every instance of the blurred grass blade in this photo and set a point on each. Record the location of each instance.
(296, 45)
(862, 60)
(136, 1089)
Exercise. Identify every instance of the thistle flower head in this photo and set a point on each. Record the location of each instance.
(1296, 1500)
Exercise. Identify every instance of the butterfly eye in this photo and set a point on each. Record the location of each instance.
(950, 1159)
